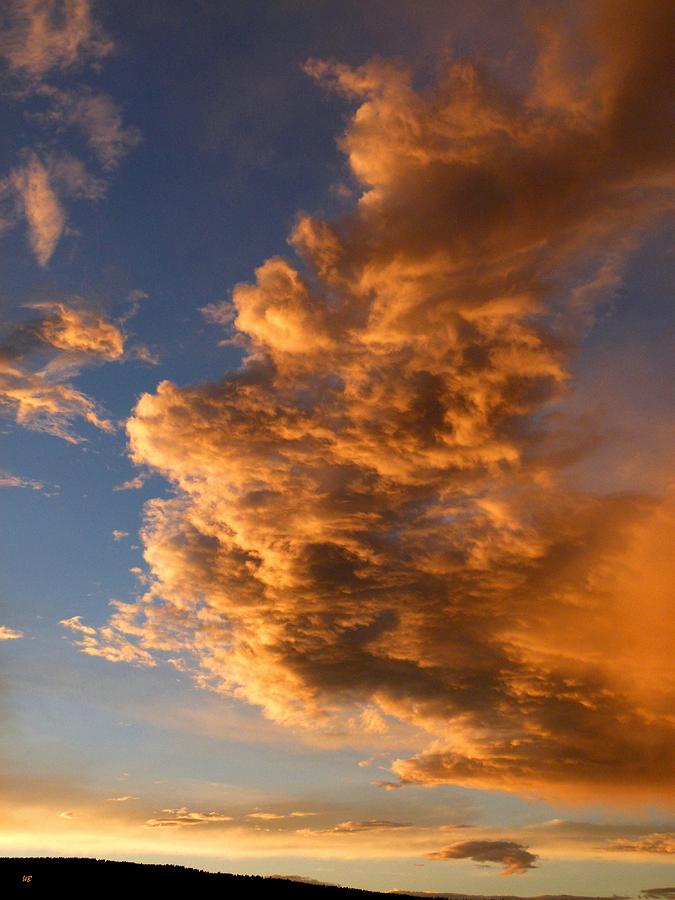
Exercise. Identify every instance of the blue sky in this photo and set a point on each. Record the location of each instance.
(391, 542)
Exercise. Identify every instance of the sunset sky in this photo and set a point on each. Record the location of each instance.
(337, 371)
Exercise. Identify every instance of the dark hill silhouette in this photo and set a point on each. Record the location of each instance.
(48, 878)
(39, 878)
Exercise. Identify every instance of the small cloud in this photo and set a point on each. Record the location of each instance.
(663, 842)
(363, 763)
(264, 815)
(42, 209)
(9, 634)
(43, 35)
(135, 298)
(7, 479)
(141, 353)
(299, 814)
(514, 858)
(120, 535)
(65, 815)
(118, 650)
(370, 721)
(350, 827)
(388, 785)
(133, 484)
(98, 118)
(182, 817)
(121, 799)
(342, 190)
(74, 623)
(223, 313)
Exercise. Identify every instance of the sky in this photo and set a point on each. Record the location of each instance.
(336, 402)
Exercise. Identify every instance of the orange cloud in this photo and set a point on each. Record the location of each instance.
(133, 484)
(41, 35)
(39, 358)
(108, 642)
(369, 514)
(38, 185)
(181, 817)
(80, 330)
(7, 479)
(9, 634)
(44, 214)
(648, 843)
(350, 827)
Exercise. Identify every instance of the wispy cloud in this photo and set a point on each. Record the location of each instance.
(38, 359)
(109, 642)
(350, 827)
(40, 39)
(133, 484)
(178, 818)
(265, 816)
(97, 117)
(7, 479)
(648, 843)
(44, 35)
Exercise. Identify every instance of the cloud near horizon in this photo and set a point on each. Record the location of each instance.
(181, 817)
(515, 858)
(350, 827)
(648, 843)
(371, 513)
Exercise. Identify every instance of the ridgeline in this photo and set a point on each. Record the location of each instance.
(47, 878)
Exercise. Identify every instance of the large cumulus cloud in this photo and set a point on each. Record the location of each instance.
(369, 513)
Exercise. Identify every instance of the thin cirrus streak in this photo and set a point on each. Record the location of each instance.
(371, 512)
